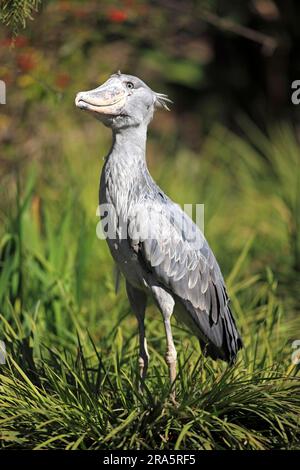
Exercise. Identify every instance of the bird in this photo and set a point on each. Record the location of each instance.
(161, 252)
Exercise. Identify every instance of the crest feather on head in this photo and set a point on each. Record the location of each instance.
(162, 101)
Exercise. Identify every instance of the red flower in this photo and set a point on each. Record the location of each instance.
(64, 5)
(62, 80)
(6, 42)
(26, 62)
(117, 16)
(19, 41)
(80, 12)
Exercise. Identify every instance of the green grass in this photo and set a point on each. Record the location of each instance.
(70, 380)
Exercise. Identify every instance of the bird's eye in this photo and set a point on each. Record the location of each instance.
(130, 85)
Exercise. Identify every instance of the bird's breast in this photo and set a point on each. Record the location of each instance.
(114, 206)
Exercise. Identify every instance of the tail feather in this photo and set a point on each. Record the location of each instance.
(220, 340)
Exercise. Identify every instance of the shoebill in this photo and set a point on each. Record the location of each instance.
(154, 243)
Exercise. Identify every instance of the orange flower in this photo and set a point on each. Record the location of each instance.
(80, 12)
(117, 16)
(62, 80)
(6, 42)
(26, 62)
(64, 5)
(19, 41)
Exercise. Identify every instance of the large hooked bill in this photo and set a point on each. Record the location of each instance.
(107, 99)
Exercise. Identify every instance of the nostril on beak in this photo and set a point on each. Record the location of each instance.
(79, 100)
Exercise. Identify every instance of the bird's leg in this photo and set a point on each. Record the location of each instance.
(171, 354)
(138, 300)
(166, 305)
(143, 355)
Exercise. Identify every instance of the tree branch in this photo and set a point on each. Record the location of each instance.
(268, 43)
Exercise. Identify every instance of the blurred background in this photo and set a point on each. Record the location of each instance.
(230, 141)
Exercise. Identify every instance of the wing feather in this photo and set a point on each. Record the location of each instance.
(181, 260)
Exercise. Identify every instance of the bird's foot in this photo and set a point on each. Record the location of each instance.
(173, 399)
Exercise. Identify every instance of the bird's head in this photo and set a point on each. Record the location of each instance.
(122, 101)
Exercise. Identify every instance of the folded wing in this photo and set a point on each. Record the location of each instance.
(177, 253)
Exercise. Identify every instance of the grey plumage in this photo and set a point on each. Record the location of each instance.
(157, 247)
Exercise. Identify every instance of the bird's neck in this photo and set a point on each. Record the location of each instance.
(127, 158)
(130, 144)
(126, 167)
